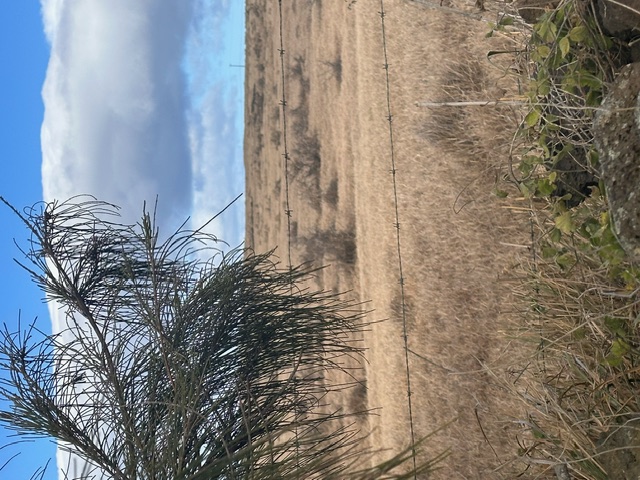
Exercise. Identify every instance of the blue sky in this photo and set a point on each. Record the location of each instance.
(124, 100)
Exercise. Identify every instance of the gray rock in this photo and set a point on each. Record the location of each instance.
(616, 131)
(532, 10)
(619, 451)
(619, 19)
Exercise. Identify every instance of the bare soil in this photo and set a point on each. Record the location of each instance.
(457, 240)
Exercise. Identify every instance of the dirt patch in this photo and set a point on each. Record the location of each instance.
(456, 240)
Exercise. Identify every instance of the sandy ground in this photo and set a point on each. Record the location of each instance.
(456, 239)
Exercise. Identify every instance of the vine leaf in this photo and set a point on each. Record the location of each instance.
(564, 223)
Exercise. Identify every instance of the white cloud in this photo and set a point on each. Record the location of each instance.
(124, 123)
(122, 120)
(51, 11)
(115, 104)
(215, 119)
(217, 165)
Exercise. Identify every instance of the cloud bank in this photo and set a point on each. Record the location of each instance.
(215, 118)
(218, 179)
(136, 107)
(115, 103)
(115, 112)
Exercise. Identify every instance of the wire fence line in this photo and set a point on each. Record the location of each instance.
(286, 156)
(396, 224)
(288, 178)
(482, 17)
(396, 221)
(288, 212)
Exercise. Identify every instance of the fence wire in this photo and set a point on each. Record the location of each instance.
(288, 212)
(401, 280)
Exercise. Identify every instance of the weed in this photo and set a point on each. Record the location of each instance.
(335, 67)
(475, 132)
(331, 194)
(330, 245)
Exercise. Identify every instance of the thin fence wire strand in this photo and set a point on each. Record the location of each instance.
(397, 227)
(286, 156)
(438, 6)
(287, 211)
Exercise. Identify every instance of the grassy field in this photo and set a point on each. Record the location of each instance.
(518, 309)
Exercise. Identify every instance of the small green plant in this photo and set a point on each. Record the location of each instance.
(570, 63)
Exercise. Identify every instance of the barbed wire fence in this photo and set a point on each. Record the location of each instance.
(484, 17)
(396, 224)
(393, 171)
(287, 211)
(286, 155)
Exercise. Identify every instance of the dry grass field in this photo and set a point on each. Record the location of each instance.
(457, 239)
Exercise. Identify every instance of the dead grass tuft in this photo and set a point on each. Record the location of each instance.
(475, 132)
(335, 68)
(330, 246)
